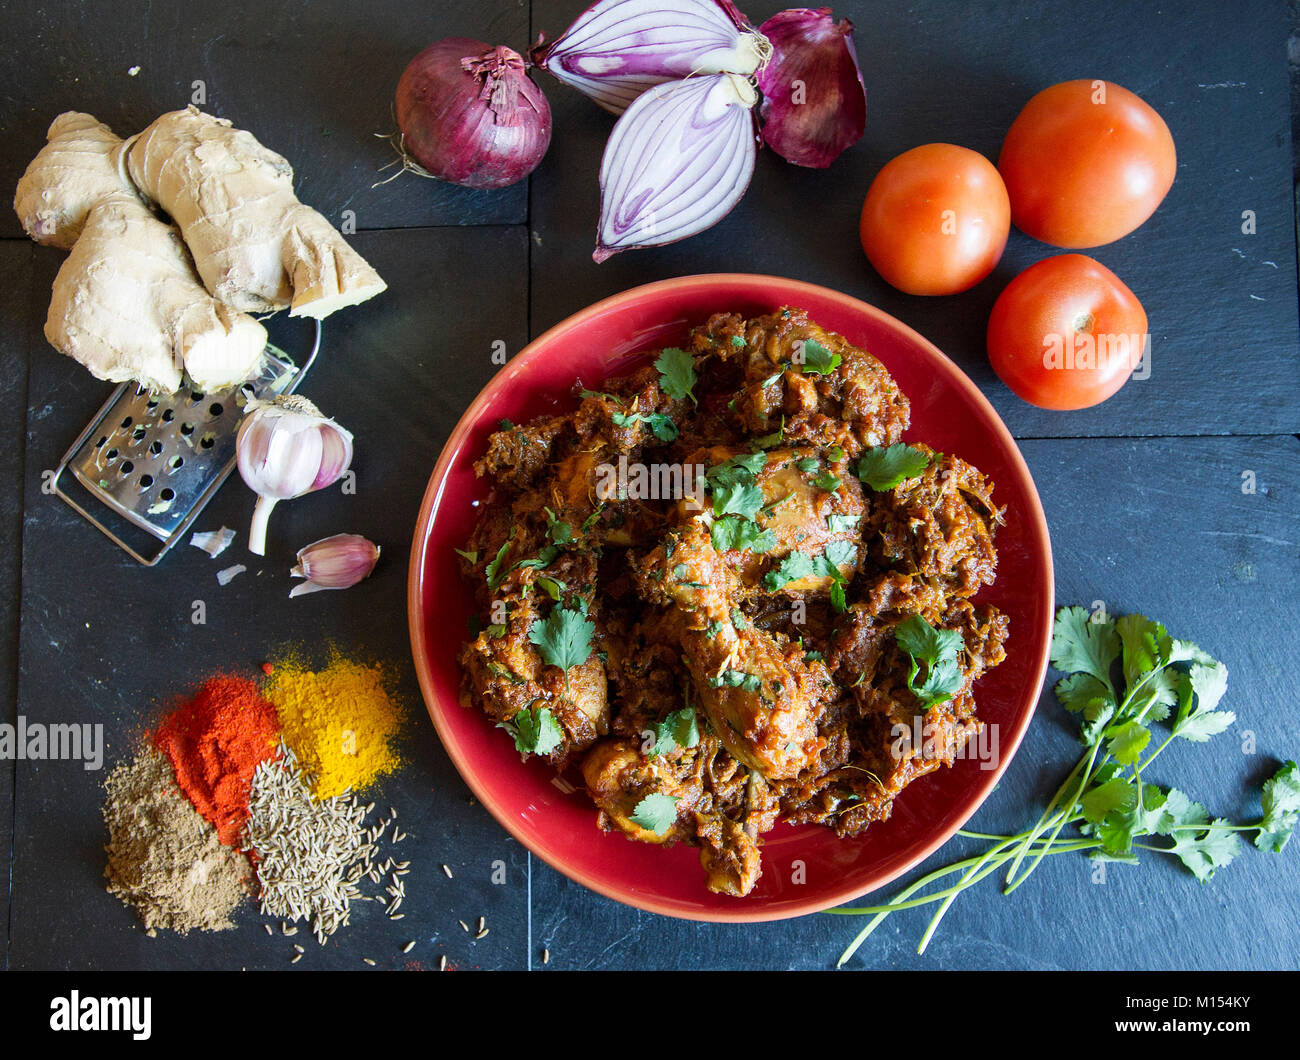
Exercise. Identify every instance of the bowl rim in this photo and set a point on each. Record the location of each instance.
(1037, 532)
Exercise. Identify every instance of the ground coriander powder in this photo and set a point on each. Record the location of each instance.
(163, 857)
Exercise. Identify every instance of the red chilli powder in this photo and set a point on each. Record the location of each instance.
(215, 742)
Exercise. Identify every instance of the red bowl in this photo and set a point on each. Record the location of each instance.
(557, 823)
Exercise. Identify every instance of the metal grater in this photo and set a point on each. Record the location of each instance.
(155, 460)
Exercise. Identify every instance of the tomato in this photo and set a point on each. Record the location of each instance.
(1085, 163)
(1066, 333)
(936, 219)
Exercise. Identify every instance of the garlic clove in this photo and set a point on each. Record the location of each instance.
(285, 448)
(814, 102)
(337, 562)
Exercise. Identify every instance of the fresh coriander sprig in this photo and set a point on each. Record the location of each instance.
(1104, 796)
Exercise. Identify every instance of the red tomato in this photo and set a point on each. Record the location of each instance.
(1085, 163)
(936, 219)
(1066, 333)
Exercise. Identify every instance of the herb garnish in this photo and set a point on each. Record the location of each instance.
(937, 649)
(536, 731)
(676, 373)
(1105, 796)
(678, 729)
(563, 639)
(817, 359)
(656, 812)
(884, 468)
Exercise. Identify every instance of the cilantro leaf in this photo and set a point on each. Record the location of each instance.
(535, 731)
(735, 533)
(662, 426)
(1080, 645)
(883, 469)
(495, 575)
(795, 567)
(471, 556)
(738, 342)
(656, 812)
(1206, 851)
(743, 467)
(677, 375)
(563, 638)
(827, 482)
(1077, 690)
(737, 498)
(938, 650)
(1127, 742)
(737, 679)
(1281, 809)
(841, 554)
(838, 600)
(1208, 684)
(817, 359)
(1141, 639)
(560, 532)
(679, 729)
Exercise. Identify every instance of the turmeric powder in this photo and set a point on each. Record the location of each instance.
(340, 721)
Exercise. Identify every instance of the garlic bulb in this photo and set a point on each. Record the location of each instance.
(336, 562)
(287, 448)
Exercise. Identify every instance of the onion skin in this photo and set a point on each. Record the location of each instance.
(813, 51)
(470, 115)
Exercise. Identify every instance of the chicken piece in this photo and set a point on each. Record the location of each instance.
(504, 674)
(803, 514)
(787, 383)
(619, 776)
(761, 696)
(939, 526)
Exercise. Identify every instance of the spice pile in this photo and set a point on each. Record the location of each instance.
(163, 857)
(250, 788)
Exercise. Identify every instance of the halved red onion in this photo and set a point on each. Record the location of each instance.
(617, 49)
(678, 160)
(814, 103)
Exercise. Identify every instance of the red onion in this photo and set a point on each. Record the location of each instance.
(617, 49)
(469, 114)
(678, 160)
(814, 103)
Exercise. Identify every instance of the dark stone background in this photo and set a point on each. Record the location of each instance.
(1142, 494)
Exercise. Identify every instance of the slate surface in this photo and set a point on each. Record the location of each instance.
(1114, 507)
(313, 81)
(104, 640)
(1157, 524)
(16, 294)
(1221, 305)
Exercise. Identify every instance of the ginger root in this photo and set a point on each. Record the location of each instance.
(255, 245)
(126, 303)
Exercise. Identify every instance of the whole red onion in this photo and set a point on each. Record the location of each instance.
(469, 114)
